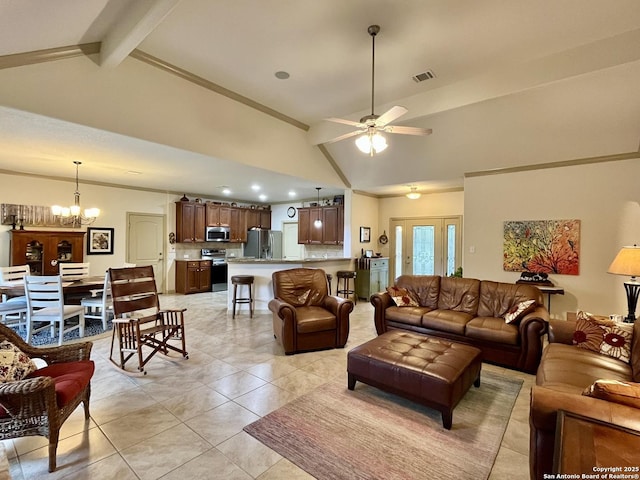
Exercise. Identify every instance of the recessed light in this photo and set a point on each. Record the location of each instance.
(133, 172)
(226, 190)
(255, 187)
(262, 197)
(292, 193)
(282, 75)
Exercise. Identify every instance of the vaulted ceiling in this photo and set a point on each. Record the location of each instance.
(516, 84)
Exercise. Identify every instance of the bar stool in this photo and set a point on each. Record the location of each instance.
(242, 280)
(346, 290)
(329, 278)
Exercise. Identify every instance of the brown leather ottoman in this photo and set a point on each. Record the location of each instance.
(427, 370)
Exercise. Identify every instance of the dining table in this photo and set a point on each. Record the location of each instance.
(73, 291)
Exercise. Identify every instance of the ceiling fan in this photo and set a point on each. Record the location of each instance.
(370, 126)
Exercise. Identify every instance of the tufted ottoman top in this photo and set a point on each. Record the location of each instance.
(425, 369)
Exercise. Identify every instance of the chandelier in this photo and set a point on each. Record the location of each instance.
(74, 215)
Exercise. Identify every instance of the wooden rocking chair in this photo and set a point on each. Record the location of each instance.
(138, 321)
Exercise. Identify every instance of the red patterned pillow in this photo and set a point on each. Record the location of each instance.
(625, 393)
(599, 334)
(402, 297)
(14, 363)
(519, 310)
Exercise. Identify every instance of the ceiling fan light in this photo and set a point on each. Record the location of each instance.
(371, 144)
(379, 142)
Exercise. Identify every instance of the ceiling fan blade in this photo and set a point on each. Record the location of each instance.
(346, 122)
(390, 115)
(346, 135)
(408, 130)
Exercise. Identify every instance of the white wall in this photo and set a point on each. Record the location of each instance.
(604, 196)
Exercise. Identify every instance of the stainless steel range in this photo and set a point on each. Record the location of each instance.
(218, 267)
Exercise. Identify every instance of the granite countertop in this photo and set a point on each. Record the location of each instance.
(284, 260)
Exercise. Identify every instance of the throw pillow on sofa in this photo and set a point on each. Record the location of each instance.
(519, 310)
(625, 393)
(601, 335)
(402, 297)
(14, 363)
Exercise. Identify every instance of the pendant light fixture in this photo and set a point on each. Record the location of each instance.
(318, 222)
(73, 215)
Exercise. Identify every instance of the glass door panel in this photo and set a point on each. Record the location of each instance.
(423, 248)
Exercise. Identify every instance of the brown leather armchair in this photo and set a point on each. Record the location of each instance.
(305, 316)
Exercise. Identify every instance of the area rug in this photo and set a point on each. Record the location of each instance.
(334, 433)
(92, 327)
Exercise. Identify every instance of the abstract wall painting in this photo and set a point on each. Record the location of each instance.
(542, 246)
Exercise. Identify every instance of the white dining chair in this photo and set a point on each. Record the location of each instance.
(99, 305)
(73, 271)
(45, 303)
(13, 311)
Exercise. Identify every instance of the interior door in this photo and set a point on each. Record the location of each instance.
(425, 246)
(145, 243)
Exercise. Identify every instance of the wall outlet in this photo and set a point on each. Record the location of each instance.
(185, 256)
(472, 249)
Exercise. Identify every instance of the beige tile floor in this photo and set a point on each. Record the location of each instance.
(184, 419)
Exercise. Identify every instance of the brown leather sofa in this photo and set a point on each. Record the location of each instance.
(565, 372)
(305, 316)
(469, 311)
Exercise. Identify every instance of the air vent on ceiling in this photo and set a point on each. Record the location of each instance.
(426, 75)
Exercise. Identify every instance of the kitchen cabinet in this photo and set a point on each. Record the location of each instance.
(43, 251)
(193, 276)
(330, 233)
(238, 225)
(259, 218)
(218, 215)
(372, 276)
(190, 222)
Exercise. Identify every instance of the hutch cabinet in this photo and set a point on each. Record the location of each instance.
(44, 250)
(372, 276)
(190, 222)
(193, 276)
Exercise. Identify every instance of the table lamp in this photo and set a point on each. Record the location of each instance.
(627, 262)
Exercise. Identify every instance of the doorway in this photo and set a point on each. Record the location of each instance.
(425, 246)
(145, 243)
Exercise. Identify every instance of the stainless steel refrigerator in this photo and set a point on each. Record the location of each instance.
(264, 244)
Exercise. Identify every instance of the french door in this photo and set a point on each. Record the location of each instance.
(425, 246)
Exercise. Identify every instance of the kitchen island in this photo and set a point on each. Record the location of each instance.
(262, 269)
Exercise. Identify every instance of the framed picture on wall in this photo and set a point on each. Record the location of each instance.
(99, 241)
(365, 234)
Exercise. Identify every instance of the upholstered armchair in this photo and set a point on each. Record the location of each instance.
(305, 316)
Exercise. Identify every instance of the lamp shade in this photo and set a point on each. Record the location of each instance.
(627, 262)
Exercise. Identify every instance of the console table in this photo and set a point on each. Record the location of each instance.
(550, 291)
(583, 443)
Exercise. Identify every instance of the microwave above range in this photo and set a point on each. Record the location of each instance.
(217, 234)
